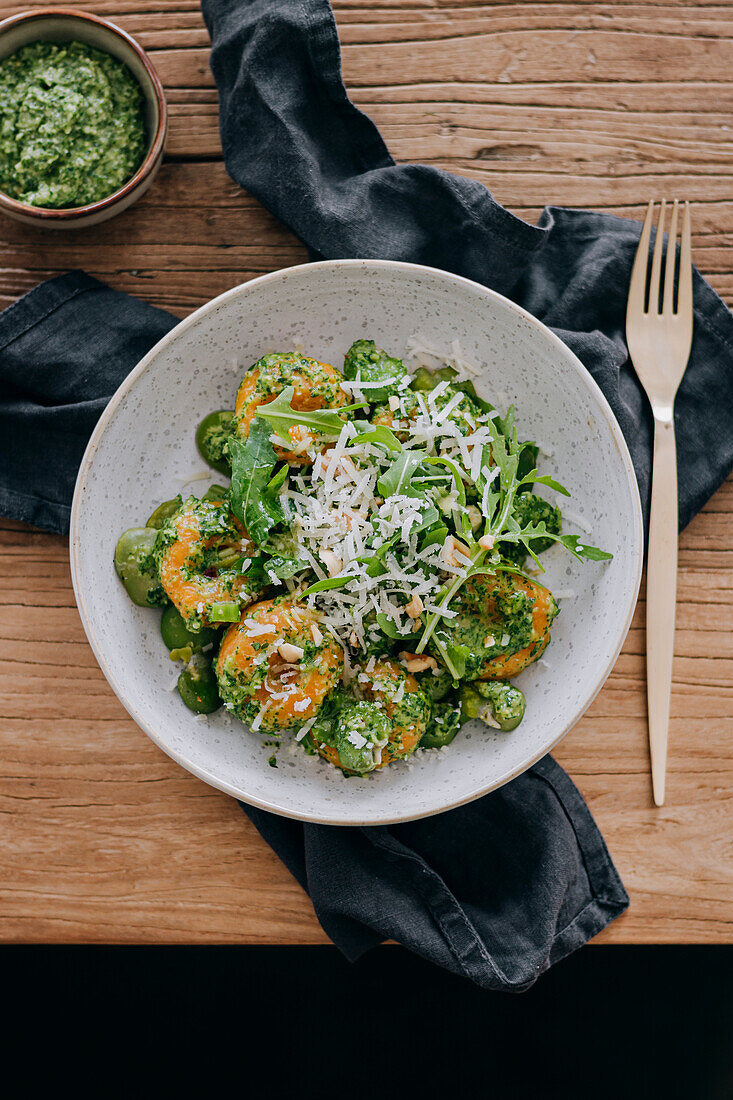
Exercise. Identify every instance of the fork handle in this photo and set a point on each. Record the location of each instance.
(661, 596)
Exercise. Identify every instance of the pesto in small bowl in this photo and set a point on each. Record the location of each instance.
(72, 127)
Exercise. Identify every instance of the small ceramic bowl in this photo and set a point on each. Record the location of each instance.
(67, 25)
(143, 451)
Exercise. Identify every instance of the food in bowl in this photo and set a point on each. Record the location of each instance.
(363, 581)
(72, 125)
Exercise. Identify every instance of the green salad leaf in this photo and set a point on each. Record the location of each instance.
(454, 655)
(577, 546)
(375, 561)
(254, 490)
(532, 478)
(499, 492)
(434, 535)
(389, 627)
(327, 584)
(397, 479)
(263, 568)
(380, 434)
(281, 416)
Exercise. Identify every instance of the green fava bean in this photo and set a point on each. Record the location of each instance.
(496, 703)
(134, 568)
(212, 435)
(425, 380)
(185, 654)
(360, 727)
(197, 686)
(436, 686)
(176, 634)
(214, 493)
(470, 703)
(163, 512)
(445, 723)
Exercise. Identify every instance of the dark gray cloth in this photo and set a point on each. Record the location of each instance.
(496, 891)
(502, 888)
(64, 349)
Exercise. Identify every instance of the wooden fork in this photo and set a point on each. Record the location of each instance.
(659, 344)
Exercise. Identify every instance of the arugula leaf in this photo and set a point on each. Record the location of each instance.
(455, 474)
(388, 627)
(592, 553)
(453, 654)
(374, 562)
(283, 568)
(397, 479)
(527, 462)
(371, 364)
(504, 424)
(276, 482)
(281, 416)
(461, 520)
(325, 585)
(506, 451)
(574, 543)
(435, 534)
(254, 491)
(532, 478)
(448, 591)
(529, 509)
(381, 434)
(430, 515)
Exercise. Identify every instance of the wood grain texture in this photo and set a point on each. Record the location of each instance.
(103, 839)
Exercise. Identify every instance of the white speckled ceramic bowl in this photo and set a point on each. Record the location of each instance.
(143, 450)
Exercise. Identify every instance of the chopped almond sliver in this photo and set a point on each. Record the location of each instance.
(331, 561)
(290, 653)
(455, 553)
(415, 663)
(414, 607)
(486, 542)
(474, 516)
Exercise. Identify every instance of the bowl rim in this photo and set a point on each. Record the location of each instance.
(155, 146)
(636, 532)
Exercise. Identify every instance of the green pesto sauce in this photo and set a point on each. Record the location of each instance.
(214, 559)
(277, 371)
(505, 615)
(71, 124)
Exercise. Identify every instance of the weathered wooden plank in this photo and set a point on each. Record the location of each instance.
(551, 137)
(197, 234)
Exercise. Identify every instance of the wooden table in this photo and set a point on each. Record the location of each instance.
(103, 838)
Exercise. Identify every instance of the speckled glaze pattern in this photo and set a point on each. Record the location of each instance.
(143, 450)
